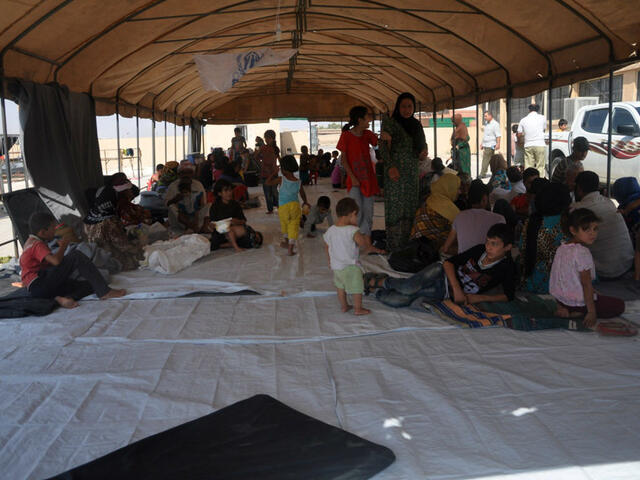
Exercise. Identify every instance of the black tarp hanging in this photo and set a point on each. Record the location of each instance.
(60, 144)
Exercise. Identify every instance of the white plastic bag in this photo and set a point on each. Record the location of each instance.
(174, 255)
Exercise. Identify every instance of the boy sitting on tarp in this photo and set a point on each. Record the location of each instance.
(47, 275)
(465, 277)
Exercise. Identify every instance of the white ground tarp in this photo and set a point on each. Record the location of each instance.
(451, 403)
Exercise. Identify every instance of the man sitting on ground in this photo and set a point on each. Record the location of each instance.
(612, 250)
(172, 197)
(470, 227)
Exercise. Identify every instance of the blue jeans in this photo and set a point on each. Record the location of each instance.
(400, 292)
(270, 196)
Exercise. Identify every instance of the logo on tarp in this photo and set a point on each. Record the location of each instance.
(221, 72)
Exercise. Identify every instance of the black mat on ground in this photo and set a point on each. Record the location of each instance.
(20, 303)
(258, 438)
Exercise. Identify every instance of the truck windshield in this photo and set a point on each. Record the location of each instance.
(638, 110)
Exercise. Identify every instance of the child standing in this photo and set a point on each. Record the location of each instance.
(47, 275)
(268, 156)
(238, 144)
(362, 184)
(573, 271)
(289, 209)
(342, 242)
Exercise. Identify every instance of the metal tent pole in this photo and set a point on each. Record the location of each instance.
(138, 144)
(456, 166)
(435, 132)
(5, 140)
(175, 137)
(420, 117)
(166, 153)
(508, 142)
(550, 120)
(153, 139)
(202, 142)
(309, 134)
(118, 136)
(184, 151)
(609, 131)
(477, 136)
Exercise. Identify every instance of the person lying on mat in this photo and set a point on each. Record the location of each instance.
(465, 277)
(47, 275)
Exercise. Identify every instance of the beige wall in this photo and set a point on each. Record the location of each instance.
(293, 140)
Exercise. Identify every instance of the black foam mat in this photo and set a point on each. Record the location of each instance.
(257, 438)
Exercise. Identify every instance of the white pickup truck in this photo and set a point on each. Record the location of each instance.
(592, 122)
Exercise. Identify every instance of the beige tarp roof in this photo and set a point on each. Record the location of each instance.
(140, 52)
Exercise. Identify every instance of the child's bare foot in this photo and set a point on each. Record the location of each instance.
(66, 302)
(114, 293)
(361, 311)
(284, 244)
(346, 308)
(292, 252)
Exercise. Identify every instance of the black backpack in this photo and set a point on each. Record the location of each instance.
(418, 254)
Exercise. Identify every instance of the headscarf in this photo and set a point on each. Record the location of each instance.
(551, 200)
(106, 197)
(444, 192)
(169, 174)
(625, 190)
(410, 125)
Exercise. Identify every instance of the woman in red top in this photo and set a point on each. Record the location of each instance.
(362, 183)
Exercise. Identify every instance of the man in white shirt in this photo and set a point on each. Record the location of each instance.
(532, 128)
(490, 141)
(612, 251)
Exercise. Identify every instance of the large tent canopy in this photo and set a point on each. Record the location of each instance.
(139, 53)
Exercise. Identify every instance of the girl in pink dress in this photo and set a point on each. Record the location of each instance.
(573, 272)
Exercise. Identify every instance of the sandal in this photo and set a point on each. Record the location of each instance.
(614, 328)
(376, 277)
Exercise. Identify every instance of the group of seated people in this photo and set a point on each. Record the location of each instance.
(472, 224)
(323, 164)
(566, 234)
(111, 224)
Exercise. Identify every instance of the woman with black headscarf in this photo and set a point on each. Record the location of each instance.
(103, 226)
(401, 181)
(541, 236)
